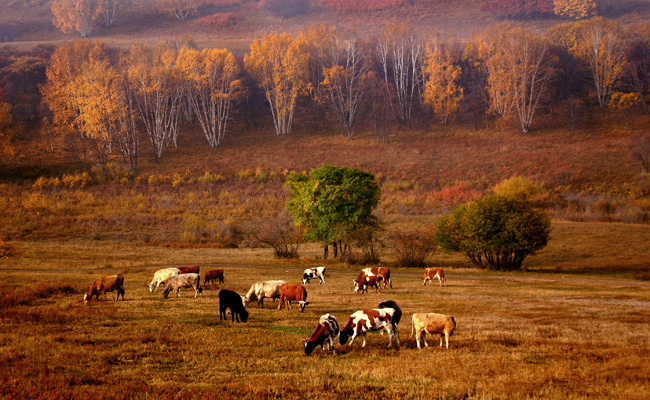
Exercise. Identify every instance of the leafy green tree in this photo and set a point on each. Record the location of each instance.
(333, 203)
(495, 232)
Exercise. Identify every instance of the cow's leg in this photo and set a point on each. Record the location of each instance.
(282, 299)
(364, 340)
(396, 334)
(424, 338)
(354, 336)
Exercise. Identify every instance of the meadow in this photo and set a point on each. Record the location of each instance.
(540, 334)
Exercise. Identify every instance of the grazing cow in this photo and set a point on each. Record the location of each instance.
(211, 276)
(262, 289)
(397, 315)
(431, 323)
(290, 292)
(311, 273)
(328, 327)
(232, 300)
(106, 284)
(369, 320)
(363, 283)
(162, 276)
(179, 281)
(195, 269)
(377, 271)
(433, 273)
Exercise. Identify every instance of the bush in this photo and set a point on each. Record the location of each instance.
(495, 232)
(518, 188)
(280, 234)
(411, 246)
(220, 20)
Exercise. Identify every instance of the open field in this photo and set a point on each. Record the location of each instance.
(519, 335)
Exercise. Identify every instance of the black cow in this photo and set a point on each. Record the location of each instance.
(232, 300)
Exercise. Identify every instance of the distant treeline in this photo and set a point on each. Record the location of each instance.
(100, 99)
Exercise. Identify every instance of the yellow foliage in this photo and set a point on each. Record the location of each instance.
(517, 187)
(442, 74)
(576, 9)
(75, 15)
(622, 101)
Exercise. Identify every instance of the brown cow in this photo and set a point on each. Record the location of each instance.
(106, 284)
(434, 273)
(213, 275)
(290, 292)
(382, 272)
(190, 270)
(364, 282)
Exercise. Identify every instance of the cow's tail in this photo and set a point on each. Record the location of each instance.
(412, 326)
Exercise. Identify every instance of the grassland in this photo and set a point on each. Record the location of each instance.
(520, 335)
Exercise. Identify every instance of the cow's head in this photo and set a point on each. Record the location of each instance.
(306, 278)
(243, 315)
(151, 286)
(309, 346)
(357, 287)
(166, 291)
(85, 298)
(245, 300)
(302, 304)
(344, 336)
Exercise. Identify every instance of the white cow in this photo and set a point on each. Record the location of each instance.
(177, 282)
(431, 323)
(311, 273)
(262, 289)
(161, 276)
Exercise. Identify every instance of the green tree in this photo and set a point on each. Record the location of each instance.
(495, 232)
(333, 203)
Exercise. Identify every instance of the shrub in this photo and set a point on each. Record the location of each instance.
(495, 232)
(195, 230)
(279, 233)
(520, 8)
(518, 188)
(220, 20)
(6, 250)
(411, 246)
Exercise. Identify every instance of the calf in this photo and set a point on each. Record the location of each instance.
(434, 273)
(369, 320)
(328, 327)
(311, 273)
(362, 283)
(106, 284)
(195, 269)
(213, 275)
(162, 276)
(177, 282)
(262, 289)
(290, 292)
(431, 323)
(232, 300)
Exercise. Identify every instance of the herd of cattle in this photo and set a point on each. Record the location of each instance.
(386, 317)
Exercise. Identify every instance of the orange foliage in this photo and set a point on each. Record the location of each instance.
(220, 20)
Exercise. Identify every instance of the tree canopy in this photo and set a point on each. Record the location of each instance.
(332, 202)
(495, 232)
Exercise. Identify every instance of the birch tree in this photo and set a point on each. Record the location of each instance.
(400, 52)
(157, 93)
(210, 75)
(278, 62)
(346, 81)
(74, 15)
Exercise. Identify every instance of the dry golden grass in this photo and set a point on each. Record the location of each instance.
(518, 336)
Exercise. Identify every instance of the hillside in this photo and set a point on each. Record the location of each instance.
(142, 21)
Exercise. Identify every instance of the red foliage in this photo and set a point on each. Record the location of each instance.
(222, 3)
(452, 196)
(520, 8)
(221, 20)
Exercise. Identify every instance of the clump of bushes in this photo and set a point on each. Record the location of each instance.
(411, 246)
(220, 20)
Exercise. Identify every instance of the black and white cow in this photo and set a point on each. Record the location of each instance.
(313, 273)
